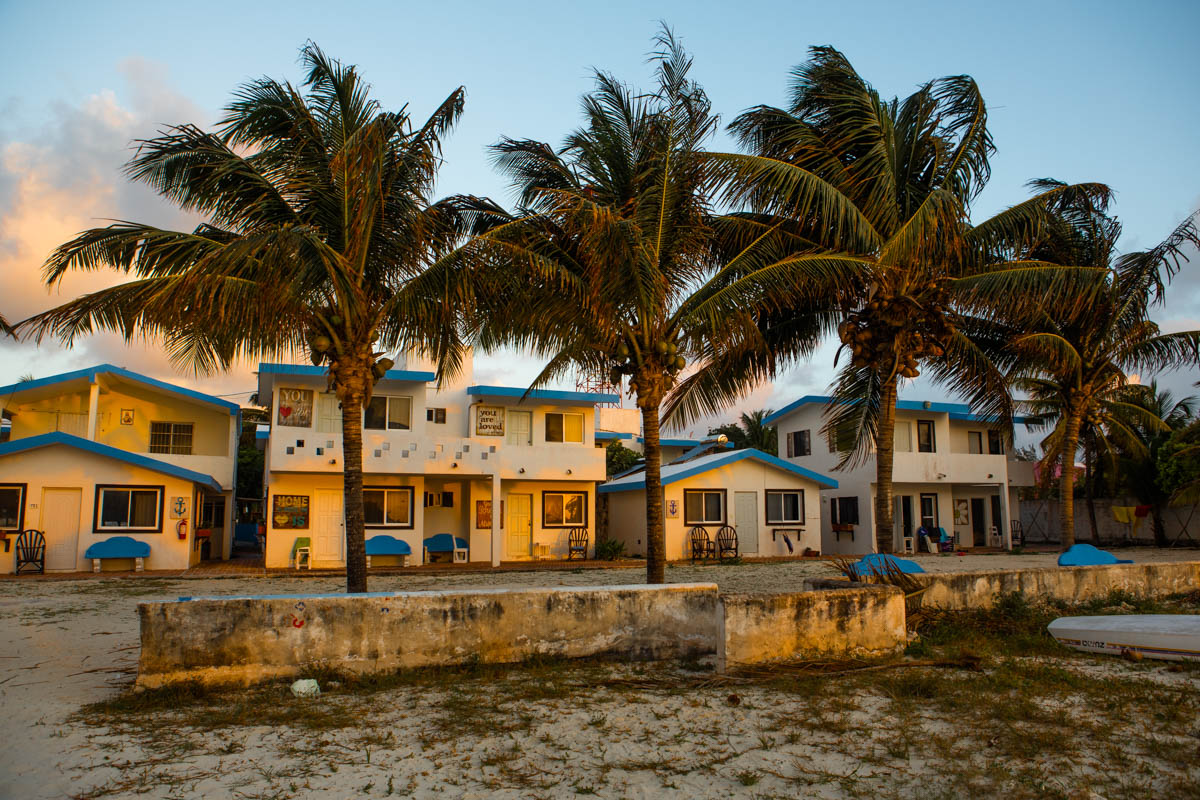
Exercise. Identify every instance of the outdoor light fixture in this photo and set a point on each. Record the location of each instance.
(454, 465)
(941, 475)
(927, 405)
(333, 461)
(568, 472)
(521, 470)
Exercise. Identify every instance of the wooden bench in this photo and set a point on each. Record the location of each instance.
(384, 545)
(119, 547)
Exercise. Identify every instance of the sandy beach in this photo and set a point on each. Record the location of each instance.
(66, 644)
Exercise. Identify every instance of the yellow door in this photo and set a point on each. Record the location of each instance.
(520, 525)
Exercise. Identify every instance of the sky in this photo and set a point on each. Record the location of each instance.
(1079, 91)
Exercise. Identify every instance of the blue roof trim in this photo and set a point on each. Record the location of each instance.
(686, 443)
(708, 464)
(542, 394)
(960, 411)
(136, 459)
(416, 376)
(606, 435)
(108, 369)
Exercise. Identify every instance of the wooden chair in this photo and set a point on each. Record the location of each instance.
(727, 542)
(31, 551)
(577, 543)
(702, 545)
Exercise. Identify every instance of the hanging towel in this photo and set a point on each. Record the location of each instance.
(1141, 511)
(1123, 514)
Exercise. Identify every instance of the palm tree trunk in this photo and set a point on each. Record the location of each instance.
(1067, 479)
(1160, 527)
(352, 391)
(885, 446)
(655, 535)
(1089, 492)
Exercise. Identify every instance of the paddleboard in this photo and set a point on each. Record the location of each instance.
(1174, 637)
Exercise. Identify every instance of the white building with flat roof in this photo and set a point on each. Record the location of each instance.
(951, 470)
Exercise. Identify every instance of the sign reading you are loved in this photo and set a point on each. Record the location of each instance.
(489, 421)
(295, 408)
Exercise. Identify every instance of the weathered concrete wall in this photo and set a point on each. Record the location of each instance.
(833, 619)
(247, 639)
(958, 590)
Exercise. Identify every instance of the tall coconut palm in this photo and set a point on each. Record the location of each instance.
(751, 431)
(882, 188)
(320, 236)
(610, 261)
(1080, 346)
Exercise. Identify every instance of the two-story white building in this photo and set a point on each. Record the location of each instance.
(105, 452)
(950, 470)
(508, 471)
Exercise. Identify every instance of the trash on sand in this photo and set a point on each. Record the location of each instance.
(306, 687)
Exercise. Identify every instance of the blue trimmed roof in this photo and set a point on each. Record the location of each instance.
(417, 376)
(108, 369)
(51, 439)
(607, 435)
(686, 443)
(960, 411)
(542, 394)
(677, 472)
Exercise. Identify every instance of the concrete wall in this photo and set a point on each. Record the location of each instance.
(242, 640)
(1040, 521)
(959, 590)
(830, 620)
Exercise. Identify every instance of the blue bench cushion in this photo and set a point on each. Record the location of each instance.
(445, 543)
(1085, 555)
(118, 547)
(383, 545)
(877, 562)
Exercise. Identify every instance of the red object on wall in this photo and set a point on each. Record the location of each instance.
(1141, 511)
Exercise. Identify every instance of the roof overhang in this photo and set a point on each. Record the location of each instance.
(81, 379)
(267, 374)
(556, 396)
(709, 463)
(18, 446)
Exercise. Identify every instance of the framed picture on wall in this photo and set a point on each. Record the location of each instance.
(290, 511)
(483, 513)
(962, 512)
(295, 408)
(489, 420)
(126, 416)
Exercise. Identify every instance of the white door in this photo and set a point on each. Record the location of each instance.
(329, 413)
(329, 527)
(745, 515)
(520, 525)
(520, 427)
(60, 523)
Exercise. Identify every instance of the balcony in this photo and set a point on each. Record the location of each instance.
(948, 468)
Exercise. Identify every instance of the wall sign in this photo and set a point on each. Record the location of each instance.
(672, 509)
(295, 408)
(290, 511)
(962, 512)
(126, 416)
(489, 420)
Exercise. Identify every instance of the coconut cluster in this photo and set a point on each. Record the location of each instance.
(322, 348)
(898, 329)
(626, 362)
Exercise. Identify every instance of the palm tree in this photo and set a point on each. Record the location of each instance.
(881, 189)
(750, 431)
(610, 262)
(1079, 347)
(320, 237)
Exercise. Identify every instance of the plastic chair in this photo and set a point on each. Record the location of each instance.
(302, 548)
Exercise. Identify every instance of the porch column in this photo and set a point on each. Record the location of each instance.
(93, 408)
(497, 534)
(1005, 517)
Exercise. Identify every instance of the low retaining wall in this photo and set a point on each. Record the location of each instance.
(830, 620)
(245, 639)
(959, 590)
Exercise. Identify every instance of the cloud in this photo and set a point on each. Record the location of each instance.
(64, 176)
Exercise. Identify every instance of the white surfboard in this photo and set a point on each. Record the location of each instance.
(1175, 637)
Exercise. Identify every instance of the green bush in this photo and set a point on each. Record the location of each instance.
(610, 549)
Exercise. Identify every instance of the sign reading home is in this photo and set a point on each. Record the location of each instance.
(489, 420)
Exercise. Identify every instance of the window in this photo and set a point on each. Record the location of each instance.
(799, 443)
(564, 509)
(390, 507)
(435, 415)
(785, 507)
(520, 427)
(929, 515)
(564, 427)
(925, 443)
(843, 510)
(975, 442)
(12, 506)
(841, 441)
(704, 507)
(128, 508)
(903, 441)
(388, 413)
(329, 413)
(174, 438)
(995, 443)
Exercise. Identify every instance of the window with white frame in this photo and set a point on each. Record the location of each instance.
(799, 443)
(388, 507)
(173, 438)
(785, 506)
(564, 509)
(12, 506)
(128, 508)
(975, 442)
(704, 507)
(564, 427)
(388, 413)
(902, 442)
(925, 437)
